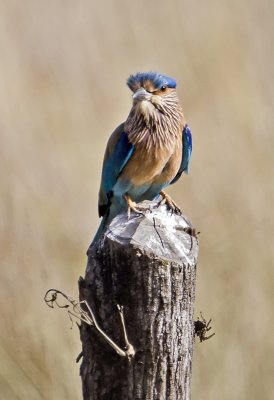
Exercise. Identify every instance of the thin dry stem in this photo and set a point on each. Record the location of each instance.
(74, 309)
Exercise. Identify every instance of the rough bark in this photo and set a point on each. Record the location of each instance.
(148, 265)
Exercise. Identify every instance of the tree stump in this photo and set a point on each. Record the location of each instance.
(147, 265)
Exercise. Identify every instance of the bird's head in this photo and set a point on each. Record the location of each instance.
(152, 82)
(153, 93)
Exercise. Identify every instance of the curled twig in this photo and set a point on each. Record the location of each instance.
(129, 348)
(75, 310)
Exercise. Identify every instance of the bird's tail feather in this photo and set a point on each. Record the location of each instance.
(115, 209)
(100, 230)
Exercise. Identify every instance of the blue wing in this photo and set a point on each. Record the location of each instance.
(186, 153)
(118, 152)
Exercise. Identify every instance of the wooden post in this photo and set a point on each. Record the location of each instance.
(148, 266)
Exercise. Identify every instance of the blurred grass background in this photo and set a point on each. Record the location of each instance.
(63, 67)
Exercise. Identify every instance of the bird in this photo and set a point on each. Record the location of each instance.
(147, 152)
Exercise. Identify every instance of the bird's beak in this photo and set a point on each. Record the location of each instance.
(141, 95)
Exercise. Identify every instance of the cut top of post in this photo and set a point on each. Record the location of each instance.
(159, 231)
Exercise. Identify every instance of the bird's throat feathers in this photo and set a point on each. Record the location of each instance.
(155, 124)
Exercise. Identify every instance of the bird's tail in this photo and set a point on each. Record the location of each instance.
(115, 209)
(100, 230)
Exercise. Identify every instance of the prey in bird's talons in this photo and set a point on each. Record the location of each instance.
(132, 206)
(166, 199)
(202, 327)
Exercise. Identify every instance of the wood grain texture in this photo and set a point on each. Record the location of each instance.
(154, 279)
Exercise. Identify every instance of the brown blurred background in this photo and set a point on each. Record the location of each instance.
(63, 68)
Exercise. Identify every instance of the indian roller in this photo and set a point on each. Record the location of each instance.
(147, 152)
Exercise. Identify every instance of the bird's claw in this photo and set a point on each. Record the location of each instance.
(166, 199)
(132, 206)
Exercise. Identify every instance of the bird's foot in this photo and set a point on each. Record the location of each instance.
(132, 206)
(166, 199)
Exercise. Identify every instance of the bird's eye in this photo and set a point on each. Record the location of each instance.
(163, 88)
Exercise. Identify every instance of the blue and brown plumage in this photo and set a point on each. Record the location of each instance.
(146, 153)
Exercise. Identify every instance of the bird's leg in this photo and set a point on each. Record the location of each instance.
(166, 199)
(131, 205)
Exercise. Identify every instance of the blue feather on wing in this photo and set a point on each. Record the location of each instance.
(186, 154)
(187, 148)
(114, 165)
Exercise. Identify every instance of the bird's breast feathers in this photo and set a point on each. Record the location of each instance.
(154, 164)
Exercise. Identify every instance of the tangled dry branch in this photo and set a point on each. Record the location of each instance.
(54, 297)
